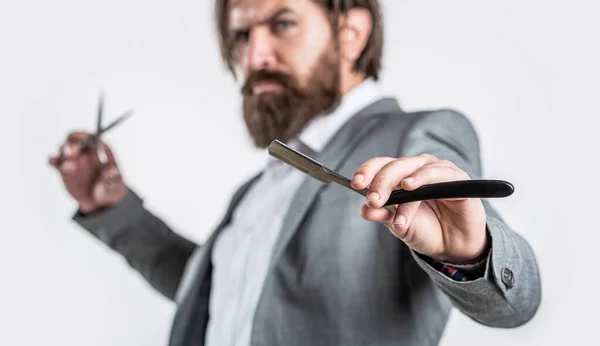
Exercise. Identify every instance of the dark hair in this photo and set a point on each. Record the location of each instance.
(369, 61)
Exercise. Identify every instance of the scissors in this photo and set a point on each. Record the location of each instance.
(95, 139)
(453, 189)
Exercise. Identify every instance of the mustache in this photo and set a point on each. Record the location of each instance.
(286, 81)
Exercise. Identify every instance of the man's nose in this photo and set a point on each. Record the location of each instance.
(261, 53)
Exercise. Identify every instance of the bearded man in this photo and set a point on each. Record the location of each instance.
(298, 262)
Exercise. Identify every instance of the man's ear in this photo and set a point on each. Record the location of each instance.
(355, 29)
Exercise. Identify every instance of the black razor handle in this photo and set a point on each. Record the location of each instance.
(453, 189)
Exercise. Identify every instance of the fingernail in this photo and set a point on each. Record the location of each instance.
(409, 180)
(400, 220)
(357, 179)
(373, 197)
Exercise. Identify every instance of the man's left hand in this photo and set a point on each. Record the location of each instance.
(450, 230)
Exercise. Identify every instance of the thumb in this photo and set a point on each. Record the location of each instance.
(110, 174)
(110, 188)
(112, 162)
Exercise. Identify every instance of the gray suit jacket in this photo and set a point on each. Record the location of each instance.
(336, 279)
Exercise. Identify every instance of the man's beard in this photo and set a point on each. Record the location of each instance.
(283, 114)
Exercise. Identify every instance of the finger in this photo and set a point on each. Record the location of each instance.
(431, 174)
(76, 139)
(68, 167)
(90, 157)
(70, 150)
(112, 162)
(403, 219)
(53, 161)
(66, 162)
(364, 174)
(376, 214)
(71, 158)
(72, 139)
(391, 175)
(77, 136)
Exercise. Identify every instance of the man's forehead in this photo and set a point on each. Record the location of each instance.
(246, 12)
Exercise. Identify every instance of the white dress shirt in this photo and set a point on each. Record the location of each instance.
(242, 252)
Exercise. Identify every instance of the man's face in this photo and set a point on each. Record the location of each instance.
(287, 53)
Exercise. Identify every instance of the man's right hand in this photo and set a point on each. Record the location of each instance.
(91, 185)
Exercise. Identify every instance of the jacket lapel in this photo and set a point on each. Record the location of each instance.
(189, 323)
(333, 155)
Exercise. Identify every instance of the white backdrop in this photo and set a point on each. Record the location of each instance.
(521, 70)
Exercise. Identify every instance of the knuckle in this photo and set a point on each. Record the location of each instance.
(67, 150)
(421, 174)
(428, 157)
(365, 166)
(400, 231)
(447, 163)
(378, 181)
(380, 160)
(77, 136)
(71, 137)
(429, 166)
(400, 164)
(370, 166)
(362, 169)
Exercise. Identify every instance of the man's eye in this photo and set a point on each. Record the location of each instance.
(281, 25)
(241, 36)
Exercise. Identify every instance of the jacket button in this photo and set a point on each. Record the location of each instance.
(508, 278)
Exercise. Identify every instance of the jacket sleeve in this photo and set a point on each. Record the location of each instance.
(148, 244)
(508, 293)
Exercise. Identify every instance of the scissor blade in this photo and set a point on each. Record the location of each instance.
(99, 118)
(117, 121)
(94, 139)
(298, 160)
(312, 167)
(309, 166)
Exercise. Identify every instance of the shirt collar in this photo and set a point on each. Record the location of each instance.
(319, 131)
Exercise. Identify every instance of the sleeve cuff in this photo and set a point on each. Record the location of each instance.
(502, 262)
(107, 223)
(461, 272)
(471, 269)
(465, 272)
